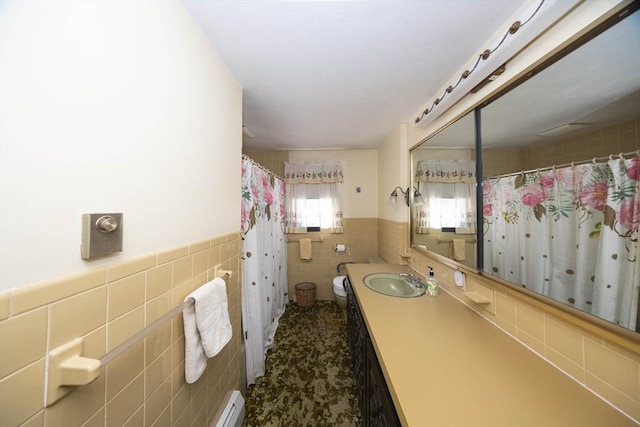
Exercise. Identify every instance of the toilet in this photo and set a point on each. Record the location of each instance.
(338, 286)
(339, 292)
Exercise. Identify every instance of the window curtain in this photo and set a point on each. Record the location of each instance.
(320, 180)
(452, 179)
(570, 233)
(264, 263)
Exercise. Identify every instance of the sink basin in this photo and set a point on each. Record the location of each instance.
(393, 285)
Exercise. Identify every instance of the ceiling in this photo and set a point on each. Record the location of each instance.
(342, 74)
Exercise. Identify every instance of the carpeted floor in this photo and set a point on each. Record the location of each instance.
(308, 379)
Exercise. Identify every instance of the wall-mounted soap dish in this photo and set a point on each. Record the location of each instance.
(478, 298)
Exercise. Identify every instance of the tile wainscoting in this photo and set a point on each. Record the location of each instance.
(621, 137)
(361, 239)
(145, 385)
(608, 366)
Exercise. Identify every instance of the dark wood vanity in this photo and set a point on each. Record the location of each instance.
(374, 398)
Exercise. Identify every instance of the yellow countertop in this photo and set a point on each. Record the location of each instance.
(447, 366)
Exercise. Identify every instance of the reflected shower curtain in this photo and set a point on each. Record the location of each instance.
(569, 233)
(264, 263)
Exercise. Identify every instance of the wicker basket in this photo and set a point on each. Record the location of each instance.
(305, 294)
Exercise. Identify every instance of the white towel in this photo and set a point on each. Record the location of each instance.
(207, 328)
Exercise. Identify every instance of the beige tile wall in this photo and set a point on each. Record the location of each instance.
(619, 138)
(607, 365)
(272, 160)
(143, 386)
(361, 238)
(393, 240)
(498, 162)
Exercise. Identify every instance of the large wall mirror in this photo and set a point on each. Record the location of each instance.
(444, 196)
(561, 180)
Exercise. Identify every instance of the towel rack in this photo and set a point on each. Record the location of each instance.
(319, 240)
(67, 368)
(451, 240)
(143, 333)
(223, 274)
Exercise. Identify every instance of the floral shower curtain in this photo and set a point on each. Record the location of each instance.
(264, 262)
(569, 233)
(440, 180)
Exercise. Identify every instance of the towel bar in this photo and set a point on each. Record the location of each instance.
(319, 240)
(224, 274)
(67, 368)
(450, 240)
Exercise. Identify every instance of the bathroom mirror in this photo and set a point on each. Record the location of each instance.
(558, 135)
(556, 219)
(444, 193)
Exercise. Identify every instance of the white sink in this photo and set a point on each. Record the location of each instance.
(393, 285)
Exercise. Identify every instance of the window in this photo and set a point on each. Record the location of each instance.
(313, 197)
(448, 196)
(450, 212)
(318, 213)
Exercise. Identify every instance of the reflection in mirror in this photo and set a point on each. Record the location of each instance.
(444, 213)
(561, 205)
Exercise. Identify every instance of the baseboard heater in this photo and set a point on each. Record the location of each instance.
(233, 413)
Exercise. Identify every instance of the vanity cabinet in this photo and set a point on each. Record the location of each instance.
(374, 398)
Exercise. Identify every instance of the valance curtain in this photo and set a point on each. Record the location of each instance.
(264, 263)
(441, 181)
(318, 182)
(570, 233)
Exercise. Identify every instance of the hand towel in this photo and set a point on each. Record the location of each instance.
(207, 328)
(457, 249)
(305, 249)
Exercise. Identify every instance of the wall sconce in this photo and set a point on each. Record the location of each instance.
(393, 197)
(417, 197)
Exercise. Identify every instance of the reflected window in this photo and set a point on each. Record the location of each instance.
(448, 193)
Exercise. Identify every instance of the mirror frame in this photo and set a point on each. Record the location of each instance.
(611, 331)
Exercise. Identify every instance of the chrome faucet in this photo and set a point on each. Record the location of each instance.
(415, 281)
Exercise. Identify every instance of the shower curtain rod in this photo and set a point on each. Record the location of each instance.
(244, 156)
(581, 162)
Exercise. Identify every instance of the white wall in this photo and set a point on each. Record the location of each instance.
(111, 107)
(393, 165)
(360, 169)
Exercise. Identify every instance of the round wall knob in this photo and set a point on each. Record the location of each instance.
(106, 224)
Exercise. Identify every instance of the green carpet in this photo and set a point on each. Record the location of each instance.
(308, 379)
